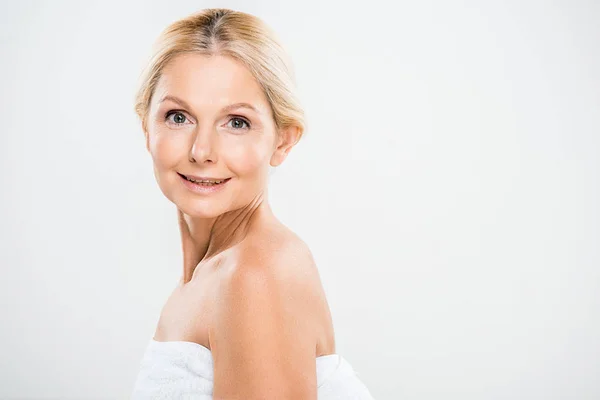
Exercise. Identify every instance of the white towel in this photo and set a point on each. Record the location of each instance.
(184, 370)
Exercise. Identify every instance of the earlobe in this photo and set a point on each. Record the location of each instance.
(288, 138)
(276, 158)
(146, 139)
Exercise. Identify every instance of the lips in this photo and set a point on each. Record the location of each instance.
(198, 179)
(203, 188)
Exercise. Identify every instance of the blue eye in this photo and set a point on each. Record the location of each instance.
(239, 122)
(236, 122)
(180, 118)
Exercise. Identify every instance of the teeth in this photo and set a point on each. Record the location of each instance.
(204, 182)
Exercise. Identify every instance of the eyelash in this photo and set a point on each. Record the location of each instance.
(173, 112)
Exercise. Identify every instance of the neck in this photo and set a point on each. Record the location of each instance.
(203, 238)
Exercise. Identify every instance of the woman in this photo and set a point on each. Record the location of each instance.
(249, 318)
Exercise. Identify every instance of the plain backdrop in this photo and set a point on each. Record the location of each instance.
(448, 187)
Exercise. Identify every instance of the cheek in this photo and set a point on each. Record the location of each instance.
(167, 150)
(248, 158)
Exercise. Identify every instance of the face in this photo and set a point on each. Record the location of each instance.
(210, 118)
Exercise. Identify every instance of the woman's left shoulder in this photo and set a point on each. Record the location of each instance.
(282, 260)
(278, 250)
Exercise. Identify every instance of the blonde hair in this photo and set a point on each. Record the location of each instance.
(245, 37)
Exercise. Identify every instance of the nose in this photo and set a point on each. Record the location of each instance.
(203, 147)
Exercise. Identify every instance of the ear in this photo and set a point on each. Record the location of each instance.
(288, 137)
(147, 136)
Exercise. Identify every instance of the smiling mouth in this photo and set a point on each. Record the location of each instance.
(204, 182)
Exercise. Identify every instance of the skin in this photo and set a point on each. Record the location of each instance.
(247, 279)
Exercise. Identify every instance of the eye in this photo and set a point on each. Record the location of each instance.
(179, 119)
(238, 123)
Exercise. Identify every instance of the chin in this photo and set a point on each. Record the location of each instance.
(200, 208)
(190, 204)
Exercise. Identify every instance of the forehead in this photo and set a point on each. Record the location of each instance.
(215, 80)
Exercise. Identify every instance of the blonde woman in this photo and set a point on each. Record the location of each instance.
(249, 318)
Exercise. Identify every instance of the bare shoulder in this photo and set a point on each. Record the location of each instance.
(264, 334)
(291, 260)
(280, 250)
(278, 260)
(281, 258)
(280, 253)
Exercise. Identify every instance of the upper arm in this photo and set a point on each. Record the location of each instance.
(262, 337)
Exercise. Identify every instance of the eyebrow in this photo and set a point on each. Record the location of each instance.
(226, 108)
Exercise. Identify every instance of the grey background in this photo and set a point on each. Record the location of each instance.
(448, 187)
